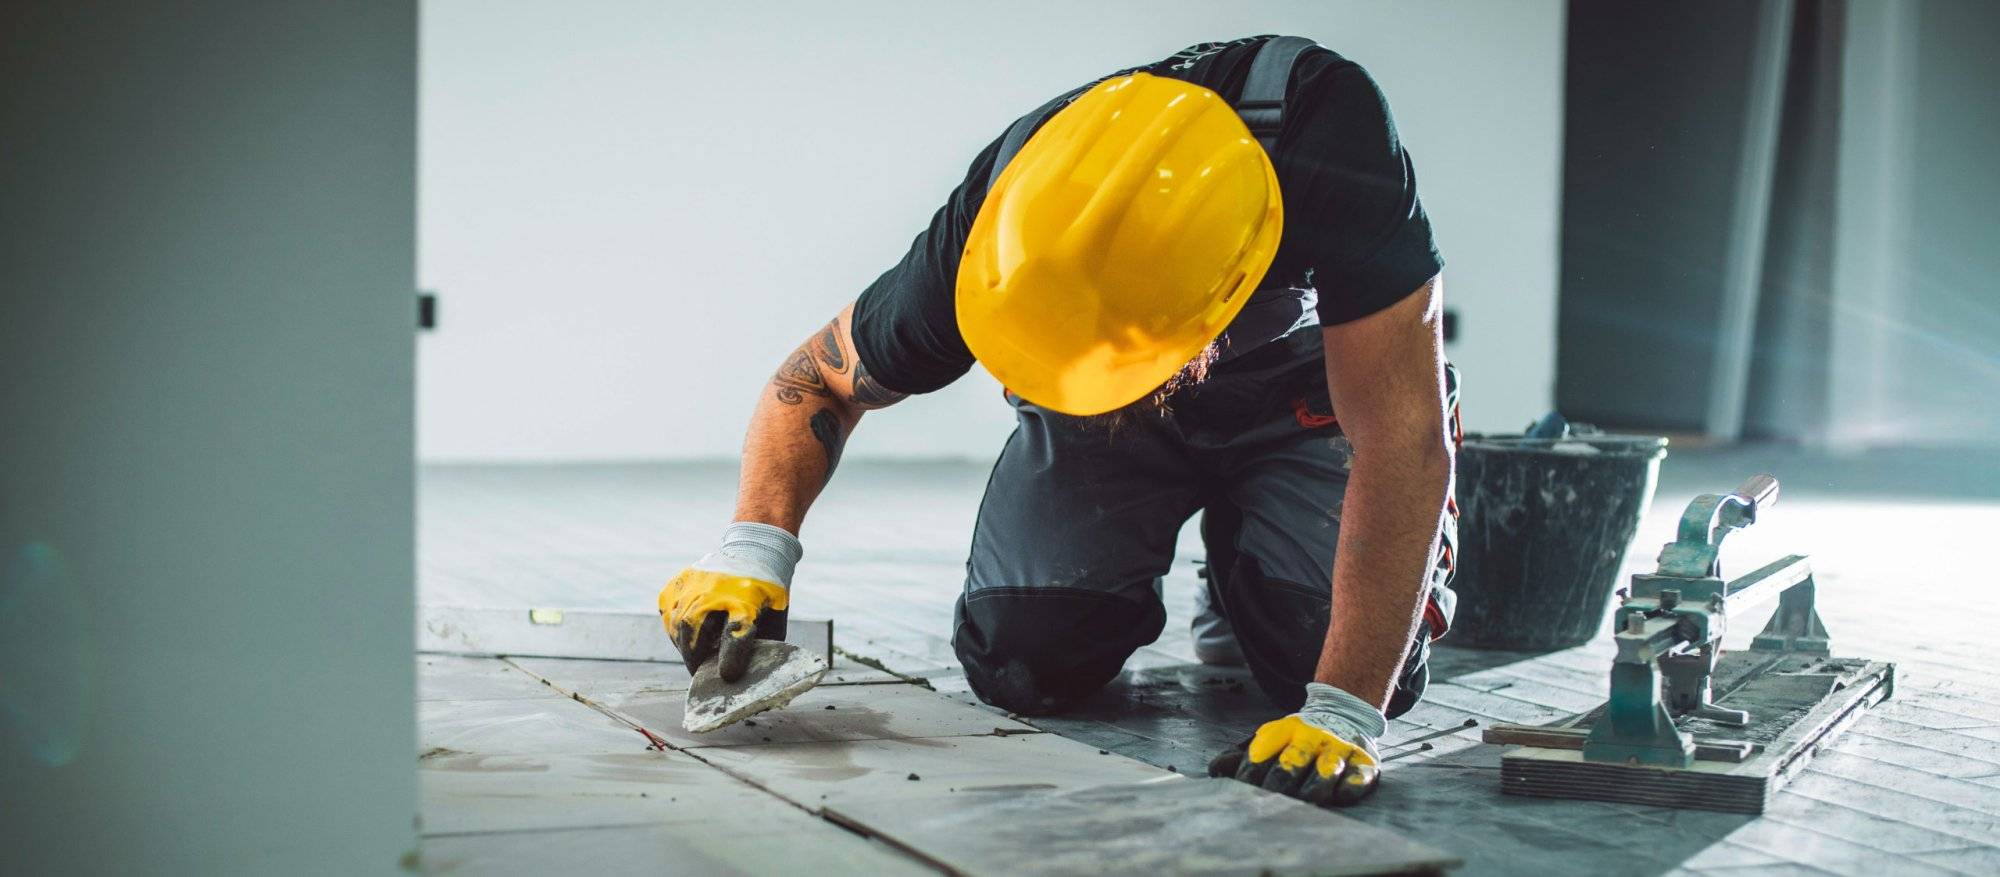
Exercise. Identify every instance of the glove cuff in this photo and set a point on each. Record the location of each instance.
(766, 549)
(1350, 717)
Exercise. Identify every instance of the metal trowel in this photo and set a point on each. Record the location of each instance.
(778, 672)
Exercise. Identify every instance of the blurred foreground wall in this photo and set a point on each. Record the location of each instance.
(206, 345)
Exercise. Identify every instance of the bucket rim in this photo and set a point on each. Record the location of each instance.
(1620, 444)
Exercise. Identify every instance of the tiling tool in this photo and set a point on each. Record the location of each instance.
(1686, 725)
(779, 671)
(573, 633)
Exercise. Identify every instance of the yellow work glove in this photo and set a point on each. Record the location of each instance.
(1323, 754)
(730, 596)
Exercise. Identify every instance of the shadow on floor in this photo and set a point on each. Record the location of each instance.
(1453, 801)
(1175, 717)
(1178, 717)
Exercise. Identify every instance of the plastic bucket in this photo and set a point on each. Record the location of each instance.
(1543, 529)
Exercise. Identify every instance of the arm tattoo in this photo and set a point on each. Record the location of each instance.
(826, 428)
(827, 346)
(869, 393)
(800, 377)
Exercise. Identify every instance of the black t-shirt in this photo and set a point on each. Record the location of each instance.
(1354, 230)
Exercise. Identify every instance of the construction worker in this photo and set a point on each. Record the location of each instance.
(1207, 285)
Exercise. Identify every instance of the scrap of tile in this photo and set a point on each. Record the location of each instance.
(1196, 826)
(860, 712)
(817, 775)
(451, 677)
(787, 841)
(536, 726)
(467, 792)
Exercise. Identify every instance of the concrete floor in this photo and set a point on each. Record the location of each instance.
(529, 763)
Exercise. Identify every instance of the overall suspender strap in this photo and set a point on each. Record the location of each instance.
(1018, 133)
(1262, 105)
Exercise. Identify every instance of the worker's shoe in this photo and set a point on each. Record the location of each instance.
(1214, 639)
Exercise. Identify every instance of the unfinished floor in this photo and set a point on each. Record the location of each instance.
(534, 765)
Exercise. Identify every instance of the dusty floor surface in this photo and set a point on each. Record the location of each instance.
(533, 765)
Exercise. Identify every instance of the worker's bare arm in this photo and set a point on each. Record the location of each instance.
(801, 424)
(1386, 374)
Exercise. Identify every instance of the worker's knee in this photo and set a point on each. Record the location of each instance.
(1037, 651)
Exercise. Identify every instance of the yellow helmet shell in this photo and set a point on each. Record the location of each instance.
(1118, 244)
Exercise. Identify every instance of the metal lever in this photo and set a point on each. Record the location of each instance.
(1739, 508)
(1710, 518)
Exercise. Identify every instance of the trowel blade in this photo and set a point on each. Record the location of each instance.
(778, 672)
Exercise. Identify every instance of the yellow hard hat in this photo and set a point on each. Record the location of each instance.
(1118, 244)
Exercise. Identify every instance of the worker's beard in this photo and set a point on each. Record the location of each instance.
(1159, 403)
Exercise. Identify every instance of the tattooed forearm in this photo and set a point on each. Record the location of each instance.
(827, 428)
(826, 347)
(798, 378)
(869, 393)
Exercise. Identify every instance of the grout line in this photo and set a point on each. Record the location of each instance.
(1838, 749)
(891, 842)
(1761, 866)
(877, 664)
(1919, 746)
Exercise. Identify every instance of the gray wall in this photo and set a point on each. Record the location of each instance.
(1878, 312)
(1653, 138)
(206, 266)
(1940, 327)
(1794, 325)
(1881, 309)
(633, 209)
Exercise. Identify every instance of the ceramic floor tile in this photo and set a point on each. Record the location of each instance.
(450, 677)
(1139, 829)
(614, 682)
(1969, 859)
(606, 681)
(821, 774)
(548, 725)
(842, 712)
(466, 793)
(887, 557)
(1829, 848)
(788, 842)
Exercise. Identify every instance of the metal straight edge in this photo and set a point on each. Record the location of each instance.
(574, 633)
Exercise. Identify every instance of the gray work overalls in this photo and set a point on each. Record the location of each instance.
(1080, 516)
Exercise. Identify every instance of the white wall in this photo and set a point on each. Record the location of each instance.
(206, 513)
(632, 210)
